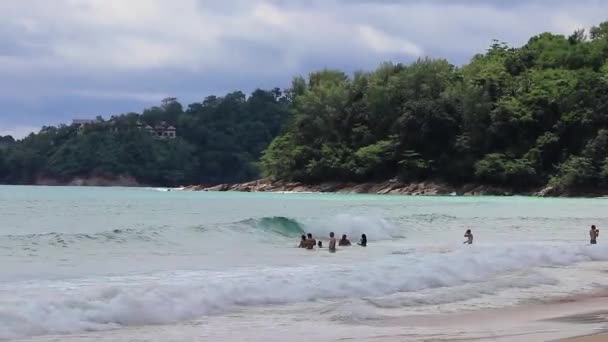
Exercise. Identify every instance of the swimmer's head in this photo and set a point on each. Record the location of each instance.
(320, 244)
(344, 237)
(331, 234)
(309, 236)
(593, 227)
(303, 237)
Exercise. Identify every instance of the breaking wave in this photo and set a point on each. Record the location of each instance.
(108, 303)
(375, 228)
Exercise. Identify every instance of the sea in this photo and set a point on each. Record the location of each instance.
(148, 264)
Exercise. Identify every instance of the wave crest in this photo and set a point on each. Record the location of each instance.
(60, 308)
(374, 227)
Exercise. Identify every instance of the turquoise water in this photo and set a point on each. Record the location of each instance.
(87, 259)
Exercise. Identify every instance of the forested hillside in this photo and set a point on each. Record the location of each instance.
(218, 140)
(518, 117)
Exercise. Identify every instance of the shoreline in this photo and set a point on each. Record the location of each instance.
(390, 187)
(582, 318)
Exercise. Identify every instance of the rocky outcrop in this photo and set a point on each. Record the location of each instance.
(390, 187)
(548, 191)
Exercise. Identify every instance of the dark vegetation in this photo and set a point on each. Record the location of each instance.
(517, 117)
(218, 140)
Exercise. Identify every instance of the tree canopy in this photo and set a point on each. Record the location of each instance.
(519, 117)
(218, 140)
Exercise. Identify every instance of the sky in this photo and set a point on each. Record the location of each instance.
(70, 59)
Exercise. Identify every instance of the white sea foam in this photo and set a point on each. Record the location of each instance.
(95, 304)
(376, 228)
(166, 189)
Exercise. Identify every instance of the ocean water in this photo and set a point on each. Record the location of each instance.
(114, 263)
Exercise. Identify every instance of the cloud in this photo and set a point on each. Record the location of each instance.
(19, 131)
(63, 58)
(112, 94)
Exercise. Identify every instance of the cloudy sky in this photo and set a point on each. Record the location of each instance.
(65, 59)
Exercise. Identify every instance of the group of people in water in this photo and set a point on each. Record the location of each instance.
(594, 233)
(309, 242)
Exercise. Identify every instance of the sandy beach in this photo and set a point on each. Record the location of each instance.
(596, 338)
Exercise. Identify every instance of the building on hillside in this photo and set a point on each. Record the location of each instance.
(149, 129)
(164, 131)
(81, 124)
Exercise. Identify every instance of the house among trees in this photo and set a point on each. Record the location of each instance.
(164, 131)
(160, 131)
(81, 124)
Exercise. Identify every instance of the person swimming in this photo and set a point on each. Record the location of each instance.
(363, 242)
(344, 241)
(320, 244)
(332, 242)
(593, 234)
(303, 242)
(469, 237)
(310, 242)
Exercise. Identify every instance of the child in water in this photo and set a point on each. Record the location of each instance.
(593, 234)
(332, 242)
(363, 242)
(469, 237)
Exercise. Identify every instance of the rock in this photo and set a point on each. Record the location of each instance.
(330, 187)
(390, 187)
(547, 191)
(221, 187)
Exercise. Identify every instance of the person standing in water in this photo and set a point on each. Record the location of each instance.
(344, 241)
(310, 242)
(363, 242)
(303, 242)
(469, 237)
(332, 242)
(593, 234)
